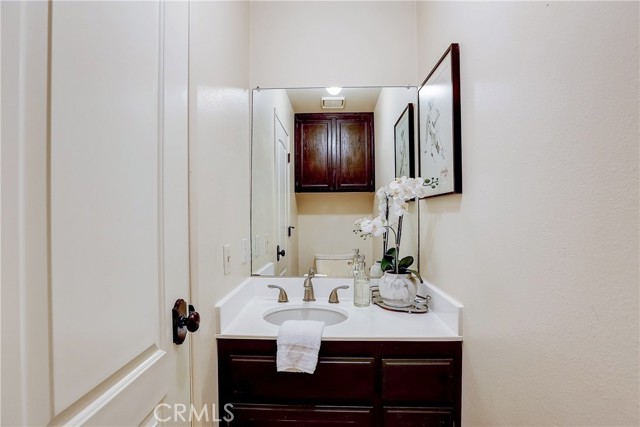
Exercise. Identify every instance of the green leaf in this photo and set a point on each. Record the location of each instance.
(405, 262)
(416, 274)
(391, 252)
(387, 263)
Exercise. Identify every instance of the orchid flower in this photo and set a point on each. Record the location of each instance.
(393, 198)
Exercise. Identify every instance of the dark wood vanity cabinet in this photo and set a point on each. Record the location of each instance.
(334, 152)
(364, 383)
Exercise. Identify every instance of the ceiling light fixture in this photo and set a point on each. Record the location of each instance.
(333, 90)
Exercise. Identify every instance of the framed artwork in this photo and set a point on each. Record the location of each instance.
(439, 125)
(404, 142)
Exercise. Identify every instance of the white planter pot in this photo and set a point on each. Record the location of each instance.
(375, 272)
(398, 290)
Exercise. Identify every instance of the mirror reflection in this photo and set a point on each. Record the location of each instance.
(317, 160)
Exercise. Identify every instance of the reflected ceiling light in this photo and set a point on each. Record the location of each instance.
(333, 90)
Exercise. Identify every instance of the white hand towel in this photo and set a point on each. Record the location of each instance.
(298, 345)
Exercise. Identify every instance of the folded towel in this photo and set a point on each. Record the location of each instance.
(298, 345)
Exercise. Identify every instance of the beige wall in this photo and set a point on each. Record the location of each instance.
(325, 225)
(542, 247)
(219, 162)
(325, 43)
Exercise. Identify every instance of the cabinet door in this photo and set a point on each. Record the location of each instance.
(307, 416)
(314, 170)
(417, 417)
(432, 381)
(334, 152)
(354, 153)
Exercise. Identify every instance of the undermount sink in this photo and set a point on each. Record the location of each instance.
(330, 316)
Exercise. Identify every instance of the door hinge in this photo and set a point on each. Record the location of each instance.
(288, 157)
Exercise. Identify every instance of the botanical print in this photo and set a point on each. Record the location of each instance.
(436, 130)
(403, 140)
(402, 152)
(434, 149)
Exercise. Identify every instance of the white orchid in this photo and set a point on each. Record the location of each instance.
(367, 227)
(393, 198)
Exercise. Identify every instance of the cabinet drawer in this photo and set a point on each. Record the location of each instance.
(255, 379)
(245, 415)
(424, 381)
(417, 417)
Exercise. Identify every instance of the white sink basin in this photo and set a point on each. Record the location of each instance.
(330, 316)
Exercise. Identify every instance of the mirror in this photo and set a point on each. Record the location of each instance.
(289, 229)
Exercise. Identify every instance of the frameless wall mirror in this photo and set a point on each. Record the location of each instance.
(294, 231)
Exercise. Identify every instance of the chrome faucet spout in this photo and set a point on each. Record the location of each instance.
(308, 286)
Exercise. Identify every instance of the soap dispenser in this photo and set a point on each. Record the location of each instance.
(361, 288)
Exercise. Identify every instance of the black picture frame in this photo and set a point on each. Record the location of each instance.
(404, 142)
(439, 130)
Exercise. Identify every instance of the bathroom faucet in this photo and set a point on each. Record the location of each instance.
(308, 286)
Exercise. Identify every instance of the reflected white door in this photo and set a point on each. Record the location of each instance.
(100, 252)
(282, 196)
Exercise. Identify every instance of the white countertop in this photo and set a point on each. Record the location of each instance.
(239, 314)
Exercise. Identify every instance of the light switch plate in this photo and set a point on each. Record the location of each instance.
(226, 255)
(244, 249)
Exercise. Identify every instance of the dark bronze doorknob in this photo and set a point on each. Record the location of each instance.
(184, 320)
(279, 253)
(193, 320)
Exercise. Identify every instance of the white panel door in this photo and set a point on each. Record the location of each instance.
(106, 256)
(282, 196)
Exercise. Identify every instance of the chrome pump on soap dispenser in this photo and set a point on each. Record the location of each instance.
(361, 288)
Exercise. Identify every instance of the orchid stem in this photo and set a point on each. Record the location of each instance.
(398, 236)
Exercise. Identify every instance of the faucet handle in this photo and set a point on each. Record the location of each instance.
(282, 296)
(333, 296)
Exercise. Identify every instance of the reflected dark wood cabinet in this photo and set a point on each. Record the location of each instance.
(334, 152)
(360, 384)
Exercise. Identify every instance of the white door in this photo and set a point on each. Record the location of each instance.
(94, 212)
(282, 196)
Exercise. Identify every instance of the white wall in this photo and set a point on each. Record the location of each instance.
(542, 247)
(391, 103)
(219, 162)
(324, 43)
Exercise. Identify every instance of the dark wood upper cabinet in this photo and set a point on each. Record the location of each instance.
(334, 152)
